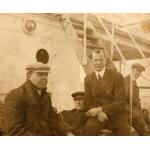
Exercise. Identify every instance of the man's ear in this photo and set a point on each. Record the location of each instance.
(29, 75)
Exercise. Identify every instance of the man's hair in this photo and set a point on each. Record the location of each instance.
(29, 72)
(98, 51)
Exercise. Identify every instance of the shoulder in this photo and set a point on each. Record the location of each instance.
(15, 94)
(66, 113)
(127, 81)
(49, 94)
(127, 78)
(114, 73)
(89, 76)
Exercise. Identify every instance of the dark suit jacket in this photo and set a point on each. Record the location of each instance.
(27, 113)
(75, 118)
(109, 93)
(135, 100)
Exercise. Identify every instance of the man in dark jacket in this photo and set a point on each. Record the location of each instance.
(76, 117)
(138, 117)
(28, 109)
(105, 98)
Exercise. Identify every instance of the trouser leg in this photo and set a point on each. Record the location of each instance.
(121, 126)
(92, 127)
(121, 131)
(139, 123)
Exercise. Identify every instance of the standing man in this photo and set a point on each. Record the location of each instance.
(76, 117)
(138, 117)
(105, 98)
(28, 109)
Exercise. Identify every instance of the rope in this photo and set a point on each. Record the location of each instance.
(84, 40)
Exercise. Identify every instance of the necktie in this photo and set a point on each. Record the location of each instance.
(99, 77)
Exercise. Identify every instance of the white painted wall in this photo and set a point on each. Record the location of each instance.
(17, 49)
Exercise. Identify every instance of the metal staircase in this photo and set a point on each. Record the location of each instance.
(102, 34)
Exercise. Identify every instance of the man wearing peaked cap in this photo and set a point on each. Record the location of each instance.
(75, 118)
(79, 98)
(28, 109)
(138, 119)
(138, 66)
(79, 93)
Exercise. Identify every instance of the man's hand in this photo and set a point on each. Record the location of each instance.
(70, 134)
(102, 116)
(93, 112)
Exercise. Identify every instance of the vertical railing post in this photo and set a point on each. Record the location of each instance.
(112, 45)
(84, 61)
(112, 39)
(131, 101)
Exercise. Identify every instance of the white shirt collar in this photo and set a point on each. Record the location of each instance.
(39, 92)
(101, 73)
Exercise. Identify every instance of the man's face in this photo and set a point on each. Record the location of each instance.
(136, 73)
(98, 61)
(79, 102)
(39, 79)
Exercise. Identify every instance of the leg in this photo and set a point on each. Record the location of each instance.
(122, 131)
(145, 114)
(121, 126)
(92, 127)
(139, 123)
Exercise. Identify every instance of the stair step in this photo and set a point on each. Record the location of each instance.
(118, 31)
(80, 27)
(78, 21)
(90, 37)
(94, 46)
(79, 18)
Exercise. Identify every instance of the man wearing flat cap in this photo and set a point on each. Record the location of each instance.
(28, 109)
(75, 118)
(138, 121)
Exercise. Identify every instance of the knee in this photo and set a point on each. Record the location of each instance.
(92, 123)
(91, 127)
(135, 115)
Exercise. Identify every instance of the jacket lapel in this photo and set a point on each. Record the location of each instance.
(32, 96)
(95, 81)
(103, 81)
(106, 83)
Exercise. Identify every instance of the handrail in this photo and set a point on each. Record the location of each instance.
(112, 39)
(136, 45)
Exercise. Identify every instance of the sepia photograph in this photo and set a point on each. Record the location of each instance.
(75, 74)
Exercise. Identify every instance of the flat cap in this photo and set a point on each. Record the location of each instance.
(38, 67)
(78, 93)
(138, 66)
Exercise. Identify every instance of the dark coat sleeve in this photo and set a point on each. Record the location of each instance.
(118, 103)
(57, 122)
(88, 94)
(13, 115)
(135, 100)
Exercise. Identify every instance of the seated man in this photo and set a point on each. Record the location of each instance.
(105, 98)
(138, 117)
(76, 117)
(28, 110)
